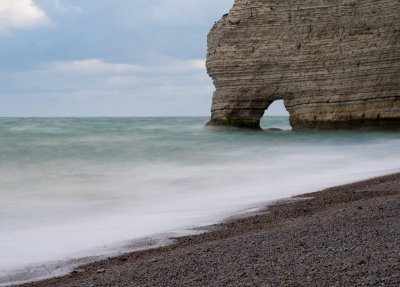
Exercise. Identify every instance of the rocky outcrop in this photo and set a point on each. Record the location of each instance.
(335, 63)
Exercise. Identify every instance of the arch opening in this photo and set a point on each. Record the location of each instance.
(276, 117)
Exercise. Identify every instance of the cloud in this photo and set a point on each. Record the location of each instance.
(21, 14)
(67, 8)
(88, 66)
(95, 87)
(95, 66)
(97, 74)
(108, 57)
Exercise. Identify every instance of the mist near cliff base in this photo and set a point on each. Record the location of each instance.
(73, 187)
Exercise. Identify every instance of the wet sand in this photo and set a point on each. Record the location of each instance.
(342, 236)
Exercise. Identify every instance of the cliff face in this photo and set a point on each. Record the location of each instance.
(335, 63)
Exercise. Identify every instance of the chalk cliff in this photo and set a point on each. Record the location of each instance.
(335, 63)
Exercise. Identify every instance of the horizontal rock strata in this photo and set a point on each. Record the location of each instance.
(335, 63)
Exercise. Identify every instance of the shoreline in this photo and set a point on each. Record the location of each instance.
(206, 251)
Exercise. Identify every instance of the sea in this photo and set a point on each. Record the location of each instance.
(74, 190)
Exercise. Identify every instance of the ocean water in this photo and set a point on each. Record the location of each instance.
(76, 187)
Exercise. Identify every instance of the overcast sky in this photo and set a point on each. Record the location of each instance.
(106, 57)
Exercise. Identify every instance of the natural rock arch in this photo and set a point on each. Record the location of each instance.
(335, 63)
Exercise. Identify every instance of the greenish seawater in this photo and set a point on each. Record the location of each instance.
(73, 187)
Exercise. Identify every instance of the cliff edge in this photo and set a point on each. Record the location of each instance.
(335, 63)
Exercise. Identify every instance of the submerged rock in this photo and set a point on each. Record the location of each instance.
(336, 64)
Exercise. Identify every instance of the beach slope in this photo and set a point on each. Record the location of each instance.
(342, 236)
